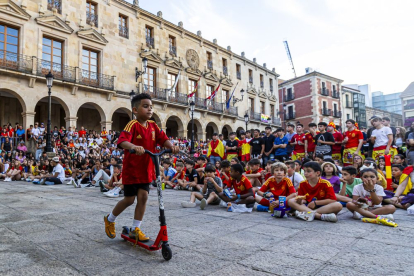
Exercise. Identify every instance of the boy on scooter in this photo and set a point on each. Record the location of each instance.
(138, 170)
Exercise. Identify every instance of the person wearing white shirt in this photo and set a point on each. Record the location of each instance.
(57, 176)
(382, 139)
(36, 131)
(99, 140)
(295, 177)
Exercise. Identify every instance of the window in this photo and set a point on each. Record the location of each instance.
(348, 116)
(90, 61)
(289, 94)
(209, 60)
(271, 85)
(290, 112)
(261, 81)
(225, 66)
(150, 79)
(272, 111)
(335, 107)
(55, 4)
(262, 107)
(123, 26)
(172, 46)
(209, 90)
(224, 96)
(238, 71)
(92, 13)
(250, 75)
(324, 105)
(9, 41)
(149, 36)
(52, 51)
(191, 86)
(251, 104)
(171, 81)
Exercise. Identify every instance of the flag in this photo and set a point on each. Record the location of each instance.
(195, 89)
(213, 95)
(388, 173)
(406, 174)
(175, 83)
(228, 102)
(219, 149)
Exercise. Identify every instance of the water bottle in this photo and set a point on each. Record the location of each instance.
(271, 200)
(227, 192)
(282, 202)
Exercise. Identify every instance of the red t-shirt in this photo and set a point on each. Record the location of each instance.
(301, 138)
(223, 179)
(140, 169)
(267, 176)
(81, 133)
(338, 138)
(254, 172)
(283, 188)
(181, 175)
(322, 190)
(241, 187)
(353, 138)
(311, 141)
(103, 134)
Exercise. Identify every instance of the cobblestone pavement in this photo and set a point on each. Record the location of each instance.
(58, 230)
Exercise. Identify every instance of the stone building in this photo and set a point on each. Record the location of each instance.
(407, 101)
(95, 48)
(353, 106)
(395, 118)
(313, 97)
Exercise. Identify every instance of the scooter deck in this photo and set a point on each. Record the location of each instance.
(149, 245)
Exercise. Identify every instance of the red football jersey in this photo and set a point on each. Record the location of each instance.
(140, 169)
(283, 188)
(241, 187)
(181, 175)
(82, 133)
(322, 190)
(223, 179)
(338, 138)
(301, 138)
(311, 141)
(353, 138)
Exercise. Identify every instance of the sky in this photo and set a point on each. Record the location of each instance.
(363, 42)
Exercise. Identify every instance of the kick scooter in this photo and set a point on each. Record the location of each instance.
(161, 242)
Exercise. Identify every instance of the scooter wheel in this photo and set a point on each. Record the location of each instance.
(166, 252)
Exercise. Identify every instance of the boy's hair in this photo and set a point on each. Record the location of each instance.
(238, 168)
(201, 158)
(270, 162)
(190, 162)
(179, 164)
(299, 125)
(136, 100)
(351, 121)
(401, 168)
(225, 164)
(323, 124)
(368, 170)
(258, 130)
(400, 155)
(236, 159)
(118, 166)
(298, 161)
(268, 127)
(314, 166)
(386, 119)
(279, 165)
(279, 130)
(210, 168)
(312, 125)
(291, 125)
(291, 164)
(351, 170)
(166, 161)
(254, 161)
(248, 131)
(319, 155)
(376, 119)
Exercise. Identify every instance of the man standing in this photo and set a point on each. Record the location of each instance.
(382, 139)
(231, 146)
(337, 147)
(269, 141)
(224, 142)
(310, 140)
(280, 145)
(353, 141)
(324, 141)
(257, 146)
(289, 134)
(215, 149)
(244, 147)
(298, 141)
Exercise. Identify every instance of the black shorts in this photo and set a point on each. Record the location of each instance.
(132, 189)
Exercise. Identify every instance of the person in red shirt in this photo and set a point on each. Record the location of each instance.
(255, 174)
(179, 175)
(336, 148)
(15, 172)
(82, 132)
(298, 142)
(242, 187)
(225, 172)
(138, 170)
(277, 185)
(353, 143)
(310, 140)
(104, 133)
(316, 197)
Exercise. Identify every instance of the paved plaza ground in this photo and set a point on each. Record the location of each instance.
(58, 230)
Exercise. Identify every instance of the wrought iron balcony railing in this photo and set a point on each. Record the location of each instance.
(209, 64)
(261, 84)
(231, 111)
(271, 88)
(255, 116)
(92, 19)
(324, 92)
(335, 94)
(225, 70)
(348, 104)
(59, 71)
(96, 80)
(290, 116)
(55, 4)
(214, 106)
(289, 97)
(150, 41)
(123, 31)
(337, 114)
(155, 92)
(16, 62)
(326, 112)
(173, 50)
(238, 73)
(176, 97)
(251, 79)
(200, 103)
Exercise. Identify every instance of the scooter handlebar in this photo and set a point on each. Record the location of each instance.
(151, 153)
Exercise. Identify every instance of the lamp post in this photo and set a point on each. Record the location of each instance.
(49, 83)
(284, 114)
(246, 119)
(235, 100)
(131, 96)
(192, 106)
(139, 73)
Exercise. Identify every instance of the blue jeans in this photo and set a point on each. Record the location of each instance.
(214, 159)
(267, 158)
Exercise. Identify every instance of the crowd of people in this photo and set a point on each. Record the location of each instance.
(317, 169)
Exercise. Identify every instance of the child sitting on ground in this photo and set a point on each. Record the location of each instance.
(168, 170)
(295, 177)
(179, 175)
(225, 172)
(330, 173)
(403, 197)
(316, 197)
(191, 177)
(348, 182)
(209, 194)
(255, 173)
(242, 187)
(277, 185)
(267, 172)
(367, 198)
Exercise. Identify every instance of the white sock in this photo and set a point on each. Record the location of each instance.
(136, 223)
(323, 217)
(111, 217)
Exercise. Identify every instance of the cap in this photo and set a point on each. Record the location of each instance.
(55, 159)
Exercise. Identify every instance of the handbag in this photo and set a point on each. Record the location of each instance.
(322, 149)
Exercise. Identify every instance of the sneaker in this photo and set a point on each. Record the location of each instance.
(167, 186)
(190, 189)
(69, 181)
(28, 180)
(390, 217)
(203, 204)
(105, 190)
(113, 193)
(137, 233)
(357, 216)
(89, 185)
(42, 182)
(187, 204)
(329, 217)
(176, 187)
(73, 182)
(102, 187)
(79, 182)
(7, 179)
(308, 216)
(187, 187)
(109, 228)
(35, 181)
(22, 179)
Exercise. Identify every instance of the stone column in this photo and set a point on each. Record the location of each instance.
(71, 122)
(182, 132)
(107, 124)
(28, 119)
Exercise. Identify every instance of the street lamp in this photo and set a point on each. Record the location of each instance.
(246, 119)
(131, 96)
(235, 100)
(49, 83)
(284, 114)
(192, 106)
(139, 73)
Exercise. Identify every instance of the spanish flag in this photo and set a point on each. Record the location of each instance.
(219, 149)
(245, 148)
(388, 173)
(405, 174)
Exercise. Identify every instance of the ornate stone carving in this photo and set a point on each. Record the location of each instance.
(193, 60)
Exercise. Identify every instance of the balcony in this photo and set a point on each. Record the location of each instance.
(326, 112)
(289, 97)
(290, 116)
(271, 88)
(337, 114)
(176, 97)
(173, 50)
(214, 106)
(275, 121)
(15, 62)
(59, 71)
(155, 92)
(335, 94)
(92, 19)
(250, 79)
(261, 84)
(150, 41)
(123, 31)
(348, 104)
(210, 64)
(232, 111)
(200, 103)
(409, 106)
(238, 74)
(324, 92)
(255, 116)
(55, 4)
(225, 70)
(96, 80)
